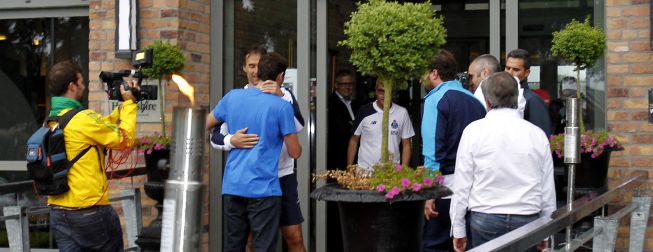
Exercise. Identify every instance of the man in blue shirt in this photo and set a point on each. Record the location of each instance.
(448, 109)
(251, 190)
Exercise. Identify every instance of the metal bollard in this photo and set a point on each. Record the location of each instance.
(131, 206)
(571, 155)
(182, 204)
(17, 226)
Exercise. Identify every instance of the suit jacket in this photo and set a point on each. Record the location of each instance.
(339, 131)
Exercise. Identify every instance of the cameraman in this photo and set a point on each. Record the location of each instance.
(82, 218)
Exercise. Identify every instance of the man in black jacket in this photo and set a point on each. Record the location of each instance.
(341, 115)
(518, 65)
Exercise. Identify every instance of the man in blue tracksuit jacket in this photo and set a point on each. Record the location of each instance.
(448, 109)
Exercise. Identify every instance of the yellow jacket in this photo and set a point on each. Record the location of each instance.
(86, 178)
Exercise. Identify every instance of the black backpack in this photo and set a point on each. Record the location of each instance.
(47, 163)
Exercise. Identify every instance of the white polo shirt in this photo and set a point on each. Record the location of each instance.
(368, 126)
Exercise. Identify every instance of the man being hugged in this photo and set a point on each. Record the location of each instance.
(251, 190)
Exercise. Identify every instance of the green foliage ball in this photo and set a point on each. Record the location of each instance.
(393, 40)
(579, 43)
(167, 59)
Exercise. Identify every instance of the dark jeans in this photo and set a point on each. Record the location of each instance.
(486, 227)
(91, 229)
(258, 215)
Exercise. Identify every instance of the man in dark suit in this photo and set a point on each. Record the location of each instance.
(342, 110)
(341, 113)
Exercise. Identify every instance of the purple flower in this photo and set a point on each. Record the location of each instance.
(380, 188)
(405, 182)
(417, 187)
(440, 180)
(398, 168)
(428, 182)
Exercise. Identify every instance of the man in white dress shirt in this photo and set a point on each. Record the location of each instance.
(504, 170)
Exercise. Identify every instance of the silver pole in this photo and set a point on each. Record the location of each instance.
(572, 156)
(182, 205)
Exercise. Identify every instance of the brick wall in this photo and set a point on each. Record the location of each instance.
(629, 75)
(186, 22)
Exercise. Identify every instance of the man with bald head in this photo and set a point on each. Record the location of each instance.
(504, 170)
(479, 70)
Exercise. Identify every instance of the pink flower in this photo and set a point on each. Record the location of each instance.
(395, 190)
(390, 195)
(440, 180)
(428, 182)
(380, 188)
(417, 187)
(398, 168)
(405, 182)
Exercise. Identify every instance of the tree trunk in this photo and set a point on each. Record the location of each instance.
(387, 102)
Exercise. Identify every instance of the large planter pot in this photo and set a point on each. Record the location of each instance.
(150, 237)
(369, 222)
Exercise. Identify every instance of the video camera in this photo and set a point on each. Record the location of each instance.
(463, 78)
(113, 80)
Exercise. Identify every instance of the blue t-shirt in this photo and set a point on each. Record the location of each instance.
(253, 173)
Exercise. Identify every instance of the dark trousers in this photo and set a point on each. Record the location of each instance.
(436, 236)
(485, 227)
(91, 229)
(258, 215)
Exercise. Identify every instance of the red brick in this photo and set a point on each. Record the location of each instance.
(614, 104)
(636, 10)
(638, 92)
(169, 34)
(632, 57)
(616, 2)
(636, 46)
(617, 116)
(613, 35)
(645, 127)
(638, 23)
(614, 11)
(615, 80)
(170, 13)
(638, 150)
(617, 69)
(636, 103)
(617, 92)
(630, 34)
(617, 46)
(642, 139)
(641, 68)
(639, 45)
(618, 161)
(638, 80)
(616, 24)
(639, 116)
(614, 57)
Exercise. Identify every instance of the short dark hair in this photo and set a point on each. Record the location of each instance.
(489, 61)
(270, 65)
(61, 75)
(501, 91)
(445, 63)
(343, 72)
(521, 54)
(254, 50)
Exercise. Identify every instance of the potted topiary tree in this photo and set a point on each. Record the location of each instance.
(582, 44)
(167, 59)
(394, 41)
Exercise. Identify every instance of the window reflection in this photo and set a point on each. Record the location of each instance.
(29, 47)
